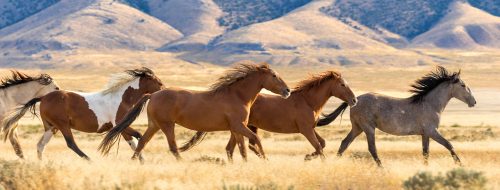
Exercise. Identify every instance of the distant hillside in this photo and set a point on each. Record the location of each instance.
(239, 13)
(464, 27)
(98, 24)
(12, 11)
(407, 18)
(490, 6)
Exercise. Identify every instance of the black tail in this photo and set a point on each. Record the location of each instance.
(9, 123)
(114, 134)
(195, 140)
(327, 119)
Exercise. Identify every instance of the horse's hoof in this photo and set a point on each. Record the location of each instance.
(308, 158)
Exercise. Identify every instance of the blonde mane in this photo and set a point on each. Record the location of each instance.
(120, 79)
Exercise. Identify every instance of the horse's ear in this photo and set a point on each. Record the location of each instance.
(264, 65)
(336, 75)
(456, 77)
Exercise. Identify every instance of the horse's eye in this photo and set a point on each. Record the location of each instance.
(274, 75)
(343, 85)
(463, 85)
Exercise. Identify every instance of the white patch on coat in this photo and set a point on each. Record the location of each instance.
(105, 105)
(45, 139)
(132, 143)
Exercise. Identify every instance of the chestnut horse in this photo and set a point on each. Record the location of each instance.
(225, 106)
(90, 112)
(297, 114)
(19, 89)
(416, 115)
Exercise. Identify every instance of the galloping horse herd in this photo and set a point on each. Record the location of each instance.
(233, 103)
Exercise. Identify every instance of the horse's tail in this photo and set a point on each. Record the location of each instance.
(327, 119)
(195, 140)
(113, 135)
(9, 123)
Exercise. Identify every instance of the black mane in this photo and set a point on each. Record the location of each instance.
(424, 85)
(142, 72)
(21, 78)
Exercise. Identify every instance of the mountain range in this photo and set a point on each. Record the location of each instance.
(282, 32)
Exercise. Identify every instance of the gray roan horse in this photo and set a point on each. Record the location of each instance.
(416, 115)
(19, 89)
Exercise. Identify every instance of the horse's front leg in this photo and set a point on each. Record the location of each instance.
(310, 134)
(425, 148)
(441, 140)
(240, 128)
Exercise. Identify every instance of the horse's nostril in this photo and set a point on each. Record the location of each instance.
(287, 90)
(57, 88)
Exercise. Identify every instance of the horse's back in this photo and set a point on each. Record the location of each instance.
(389, 114)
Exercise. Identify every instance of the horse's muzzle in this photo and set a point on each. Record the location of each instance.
(286, 93)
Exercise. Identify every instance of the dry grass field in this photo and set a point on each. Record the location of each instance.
(474, 132)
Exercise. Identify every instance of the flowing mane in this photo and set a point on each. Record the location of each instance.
(236, 74)
(118, 80)
(21, 78)
(315, 80)
(427, 83)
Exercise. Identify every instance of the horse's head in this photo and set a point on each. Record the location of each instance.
(47, 85)
(461, 91)
(341, 89)
(148, 82)
(273, 82)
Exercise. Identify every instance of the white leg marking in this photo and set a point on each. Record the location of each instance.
(43, 141)
(132, 143)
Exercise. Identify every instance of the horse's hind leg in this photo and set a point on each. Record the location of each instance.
(370, 137)
(251, 143)
(441, 140)
(70, 142)
(150, 132)
(425, 148)
(355, 131)
(168, 129)
(15, 144)
(131, 142)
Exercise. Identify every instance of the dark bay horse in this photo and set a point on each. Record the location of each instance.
(95, 112)
(226, 106)
(296, 114)
(19, 89)
(416, 115)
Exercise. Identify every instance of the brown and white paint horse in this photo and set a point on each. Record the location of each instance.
(95, 112)
(19, 89)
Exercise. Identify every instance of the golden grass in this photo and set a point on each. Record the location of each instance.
(401, 156)
(479, 147)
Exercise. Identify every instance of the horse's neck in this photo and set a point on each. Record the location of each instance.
(21, 93)
(439, 97)
(317, 97)
(247, 89)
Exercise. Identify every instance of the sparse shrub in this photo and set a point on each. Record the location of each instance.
(465, 179)
(423, 181)
(453, 180)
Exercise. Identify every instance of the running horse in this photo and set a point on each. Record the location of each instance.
(95, 112)
(19, 89)
(417, 115)
(225, 107)
(296, 114)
